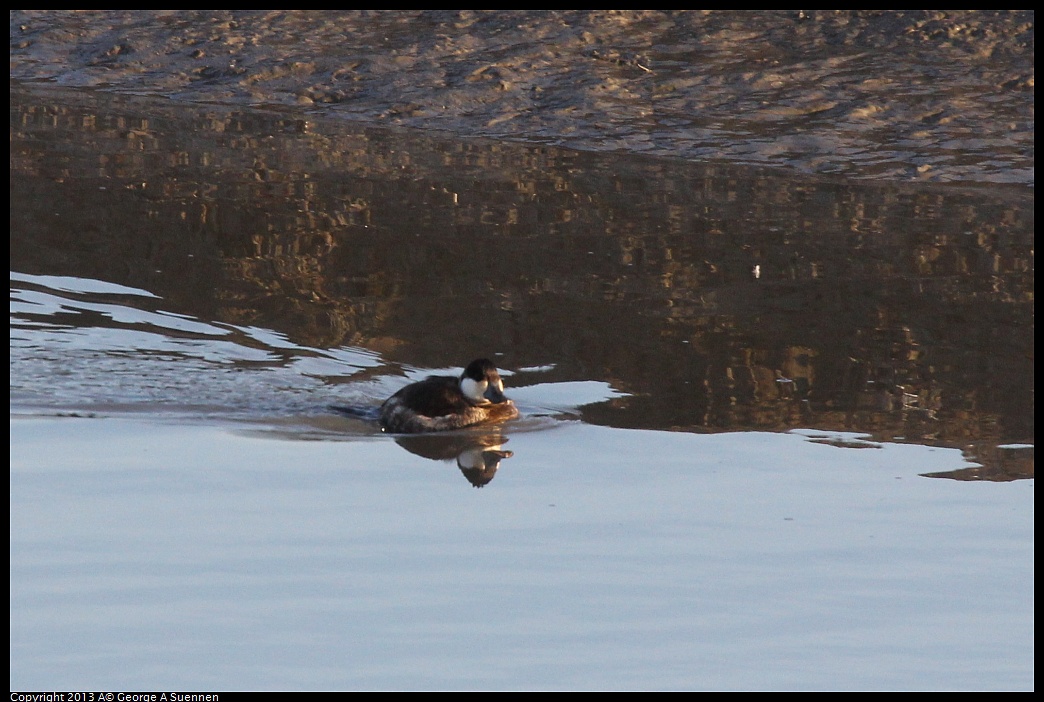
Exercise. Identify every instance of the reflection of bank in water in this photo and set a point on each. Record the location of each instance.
(478, 455)
(900, 310)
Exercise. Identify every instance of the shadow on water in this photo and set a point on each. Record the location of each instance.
(712, 298)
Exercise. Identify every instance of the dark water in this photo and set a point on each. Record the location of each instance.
(708, 298)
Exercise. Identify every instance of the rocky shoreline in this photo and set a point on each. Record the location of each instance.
(918, 95)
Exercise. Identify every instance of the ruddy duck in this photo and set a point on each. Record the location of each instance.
(441, 402)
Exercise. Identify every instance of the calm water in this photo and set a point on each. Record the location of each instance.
(777, 433)
(149, 554)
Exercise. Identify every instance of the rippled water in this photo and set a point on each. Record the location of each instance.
(71, 352)
(71, 348)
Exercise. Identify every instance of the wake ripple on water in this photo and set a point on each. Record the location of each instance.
(84, 344)
(87, 346)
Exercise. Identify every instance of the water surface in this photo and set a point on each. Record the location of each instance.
(776, 433)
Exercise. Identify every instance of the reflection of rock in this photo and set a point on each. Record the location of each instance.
(478, 455)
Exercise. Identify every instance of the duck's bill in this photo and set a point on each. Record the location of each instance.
(494, 394)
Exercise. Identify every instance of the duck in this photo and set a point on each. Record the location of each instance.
(444, 402)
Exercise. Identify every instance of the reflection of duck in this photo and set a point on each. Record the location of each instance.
(441, 402)
(478, 455)
(479, 465)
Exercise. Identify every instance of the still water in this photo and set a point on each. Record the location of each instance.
(776, 432)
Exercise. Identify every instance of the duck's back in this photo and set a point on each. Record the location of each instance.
(435, 396)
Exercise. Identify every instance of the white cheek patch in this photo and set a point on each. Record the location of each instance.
(474, 389)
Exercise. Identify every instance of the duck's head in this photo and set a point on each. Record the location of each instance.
(481, 383)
